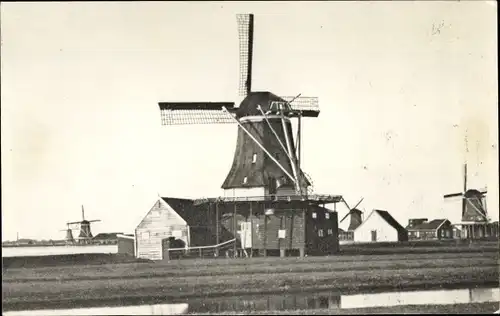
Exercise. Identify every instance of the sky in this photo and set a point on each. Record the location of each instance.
(400, 86)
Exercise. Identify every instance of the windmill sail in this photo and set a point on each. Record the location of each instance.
(179, 113)
(245, 33)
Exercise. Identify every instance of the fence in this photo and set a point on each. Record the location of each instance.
(202, 251)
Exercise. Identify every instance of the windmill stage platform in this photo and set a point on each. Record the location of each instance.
(314, 199)
(284, 225)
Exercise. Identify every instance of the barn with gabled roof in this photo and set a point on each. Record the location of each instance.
(380, 226)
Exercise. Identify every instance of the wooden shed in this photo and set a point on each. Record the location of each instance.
(180, 221)
(380, 226)
(126, 244)
(161, 222)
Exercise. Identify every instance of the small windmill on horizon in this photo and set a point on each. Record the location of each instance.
(85, 235)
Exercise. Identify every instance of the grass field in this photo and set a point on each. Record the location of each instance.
(115, 283)
(150, 282)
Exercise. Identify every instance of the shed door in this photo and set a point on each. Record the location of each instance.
(374, 235)
(246, 234)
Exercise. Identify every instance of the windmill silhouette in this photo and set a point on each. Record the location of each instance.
(85, 235)
(473, 202)
(266, 159)
(474, 212)
(69, 234)
(355, 216)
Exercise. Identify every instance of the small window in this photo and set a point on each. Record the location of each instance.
(320, 232)
(145, 235)
(314, 215)
(245, 179)
(254, 158)
(327, 215)
(330, 231)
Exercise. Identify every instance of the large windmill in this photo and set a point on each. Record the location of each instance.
(266, 159)
(85, 235)
(474, 213)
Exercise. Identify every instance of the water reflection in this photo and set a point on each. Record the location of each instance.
(337, 301)
(160, 309)
(303, 301)
(440, 297)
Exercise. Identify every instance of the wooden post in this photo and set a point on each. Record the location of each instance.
(251, 228)
(235, 231)
(281, 244)
(291, 229)
(216, 228)
(302, 247)
(265, 235)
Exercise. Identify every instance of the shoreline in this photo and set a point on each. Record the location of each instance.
(152, 299)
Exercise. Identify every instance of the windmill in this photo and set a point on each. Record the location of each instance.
(475, 221)
(355, 216)
(69, 234)
(266, 159)
(85, 233)
(473, 202)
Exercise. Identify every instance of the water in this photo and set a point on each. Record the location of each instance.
(305, 301)
(56, 250)
(160, 309)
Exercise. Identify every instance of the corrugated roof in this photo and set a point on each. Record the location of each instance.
(432, 225)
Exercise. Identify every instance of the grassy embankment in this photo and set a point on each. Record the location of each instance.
(84, 285)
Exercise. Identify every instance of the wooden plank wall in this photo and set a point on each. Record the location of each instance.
(159, 223)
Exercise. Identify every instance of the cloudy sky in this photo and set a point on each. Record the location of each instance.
(400, 85)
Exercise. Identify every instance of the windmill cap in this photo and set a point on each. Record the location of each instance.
(249, 105)
(472, 193)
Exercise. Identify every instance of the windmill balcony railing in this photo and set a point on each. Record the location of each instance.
(315, 198)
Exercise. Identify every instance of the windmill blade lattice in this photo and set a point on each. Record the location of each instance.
(245, 34)
(182, 113)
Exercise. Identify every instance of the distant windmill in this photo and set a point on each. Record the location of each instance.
(355, 215)
(69, 234)
(85, 233)
(473, 202)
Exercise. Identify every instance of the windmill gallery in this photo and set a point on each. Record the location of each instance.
(268, 206)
